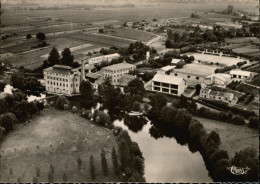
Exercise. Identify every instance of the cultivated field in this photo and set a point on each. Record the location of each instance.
(58, 138)
(234, 137)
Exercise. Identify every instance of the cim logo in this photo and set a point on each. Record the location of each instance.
(238, 170)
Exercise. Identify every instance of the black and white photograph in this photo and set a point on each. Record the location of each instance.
(150, 91)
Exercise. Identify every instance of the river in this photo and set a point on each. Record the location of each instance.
(165, 159)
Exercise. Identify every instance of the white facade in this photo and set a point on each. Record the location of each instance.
(218, 95)
(104, 58)
(61, 80)
(116, 71)
(168, 84)
(219, 79)
(241, 75)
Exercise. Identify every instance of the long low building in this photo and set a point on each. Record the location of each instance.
(105, 58)
(168, 84)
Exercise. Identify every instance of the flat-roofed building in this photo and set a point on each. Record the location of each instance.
(62, 79)
(168, 84)
(165, 70)
(219, 79)
(241, 75)
(116, 71)
(105, 58)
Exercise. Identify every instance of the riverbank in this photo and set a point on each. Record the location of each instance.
(58, 138)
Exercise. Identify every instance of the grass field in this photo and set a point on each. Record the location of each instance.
(216, 59)
(197, 69)
(132, 34)
(20, 154)
(233, 137)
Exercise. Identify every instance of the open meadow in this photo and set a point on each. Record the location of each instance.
(59, 139)
(234, 137)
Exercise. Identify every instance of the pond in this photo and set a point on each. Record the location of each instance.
(166, 160)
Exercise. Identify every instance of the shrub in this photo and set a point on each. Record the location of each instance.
(61, 101)
(66, 107)
(7, 121)
(238, 120)
(253, 122)
(115, 161)
(92, 167)
(104, 162)
(74, 109)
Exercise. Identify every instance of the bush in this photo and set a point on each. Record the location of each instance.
(66, 107)
(61, 101)
(7, 121)
(253, 122)
(238, 120)
(74, 109)
(92, 167)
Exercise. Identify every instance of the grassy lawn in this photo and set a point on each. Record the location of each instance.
(80, 138)
(233, 137)
(132, 34)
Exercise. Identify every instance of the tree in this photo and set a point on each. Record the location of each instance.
(230, 9)
(79, 161)
(253, 121)
(139, 165)
(54, 57)
(218, 155)
(115, 161)
(135, 88)
(104, 162)
(2, 85)
(32, 108)
(101, 118)
(67, 57)
(183, 119)
(198, 87)
(28, 36)
(196, 130)
(3, 106)
(180, 64)
(92, 167)
(158, 101)
(7, 121)
(61, 101)
(18, 80)
(86, 90)
(124, 153)
(238, 120)
(40, 36)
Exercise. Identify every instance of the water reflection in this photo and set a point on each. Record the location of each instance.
(135, 124)
(166, 160)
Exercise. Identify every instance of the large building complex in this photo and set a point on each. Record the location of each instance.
(168, 84)
(219, 79)
(62, 79)
(116, 71)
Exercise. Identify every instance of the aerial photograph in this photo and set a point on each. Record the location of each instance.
(129, 91)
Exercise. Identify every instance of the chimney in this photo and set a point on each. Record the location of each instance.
(82, 70)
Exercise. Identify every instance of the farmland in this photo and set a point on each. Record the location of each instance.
(234, 138)
(55, 138)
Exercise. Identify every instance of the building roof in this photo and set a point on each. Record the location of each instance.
(93, 75)
(175, 61)
(167, 68)
(170, 79)
(62, 67)
(228, 95)
(59, 69)
(106, 56)
(119, 66)
(240, 72)
(221, 76)
(125, 79)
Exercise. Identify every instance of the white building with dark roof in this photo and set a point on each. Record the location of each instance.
(61, 79)
(168, 84)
